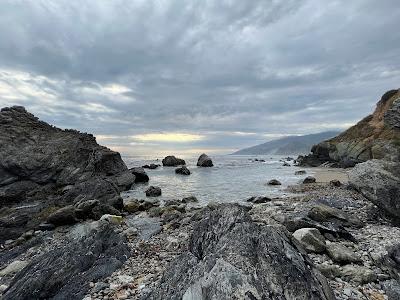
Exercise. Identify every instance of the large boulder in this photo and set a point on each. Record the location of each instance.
(231, 257)
(204, 161)
(43, 167)
(182, 170)
(379, 182)
(66, 271)
(172, 161)
(140, 174)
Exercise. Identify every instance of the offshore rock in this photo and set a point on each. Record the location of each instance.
(204, 161)
(172, 161)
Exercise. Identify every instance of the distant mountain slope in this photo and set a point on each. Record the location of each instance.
(288, 145)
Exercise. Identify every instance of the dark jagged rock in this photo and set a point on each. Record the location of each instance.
(309, 179)
(379, 182)
(274, 182)
(172, 161)
(182, 170)
(63, 216)
(140, 174)
(259, 199)
(377, 136)
(231, 257)
(44, 167)
(65, 273)
(151, 166)
(204, 161)
(153, 191)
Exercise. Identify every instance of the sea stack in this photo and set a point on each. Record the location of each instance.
(204, 161)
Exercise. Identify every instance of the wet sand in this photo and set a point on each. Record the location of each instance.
(328, 174)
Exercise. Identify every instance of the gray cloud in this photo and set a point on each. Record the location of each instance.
(218, 69)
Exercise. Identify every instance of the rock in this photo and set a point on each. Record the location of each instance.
(153, 191)
(392, 289)
(259, 199)
(285, 164)
(172, 202)
(63, 216)
(358, 274)
(204, 161)
(99, 286)
(231, 257)
(42, 165)
(146, 227)
(379, 182)
(274, 182)
(3, 287)
(151, 166)
(140, 174)
(341, 254)
(46, 226)
(14, 267)
(329, 271)
(311, 239)
(335, 183)
(124, 180)
(132, 205)
(190, 199)
(172, 161)
(93, 256)
(182, 170)
(301, 172)
(323, 213)
(112, 219)
(309, 179)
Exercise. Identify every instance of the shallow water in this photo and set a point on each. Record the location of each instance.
(232, 179)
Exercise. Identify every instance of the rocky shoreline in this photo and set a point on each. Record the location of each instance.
(67, 234)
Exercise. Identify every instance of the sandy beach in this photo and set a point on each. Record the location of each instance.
(324, 175)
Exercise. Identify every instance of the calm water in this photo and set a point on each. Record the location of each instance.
(232, 179)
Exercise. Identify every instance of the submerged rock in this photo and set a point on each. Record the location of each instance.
(182, 170)
(172, 161)
(231, 257)
(301, 172)
(151, 166)
(65, 272)
(274, 182)
(189, 199)
(259, 199)
(204, 161)
(309, 179)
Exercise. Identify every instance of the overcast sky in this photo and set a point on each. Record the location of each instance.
(191, 76)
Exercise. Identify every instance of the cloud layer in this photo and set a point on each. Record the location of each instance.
(150, 76)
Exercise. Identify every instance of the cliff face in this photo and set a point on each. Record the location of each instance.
(377, 136)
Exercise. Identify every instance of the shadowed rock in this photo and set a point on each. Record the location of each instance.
(231, 257)
(65, 273)
(172, 161)
(204, 161)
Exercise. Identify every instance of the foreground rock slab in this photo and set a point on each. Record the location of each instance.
(65, 273)
(231, 257)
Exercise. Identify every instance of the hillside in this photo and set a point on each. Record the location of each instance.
(288, 145)
(377, 136)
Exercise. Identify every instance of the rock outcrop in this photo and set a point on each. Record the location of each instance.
(204, 161)
(172, 161)
(182, 170)
(43, 168)
(375, 137)
(231, 257)
(379, 181)
(65, 272)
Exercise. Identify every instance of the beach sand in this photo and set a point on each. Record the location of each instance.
(328, 174)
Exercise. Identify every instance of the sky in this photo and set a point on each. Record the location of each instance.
(185, 77)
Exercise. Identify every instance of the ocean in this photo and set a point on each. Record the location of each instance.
(234, 178)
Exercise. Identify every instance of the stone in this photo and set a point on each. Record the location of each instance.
(112, 219)
(79, 261)
(204, 161)
(140, 174)
(99, 286)
(153, 191)
(335, 183)
(329, 271)
(190, 199)
(231, 257)
(341, 254)
(124, 180)
(182, 170)
(151, 166)
(259, 199)
(311, 239)
(3, 287)
(301, 172)
(146, 227)
(379, 182)
(392, 289)
(274, 182)
(323, 213)
(14, 267)
(172, 161)
(63, 216)
(285, 164)
(133, 205)
(358, 274)
(309, 179)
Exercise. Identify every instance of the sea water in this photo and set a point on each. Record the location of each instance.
(234, 178)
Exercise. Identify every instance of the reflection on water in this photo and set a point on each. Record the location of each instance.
(232, 179)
